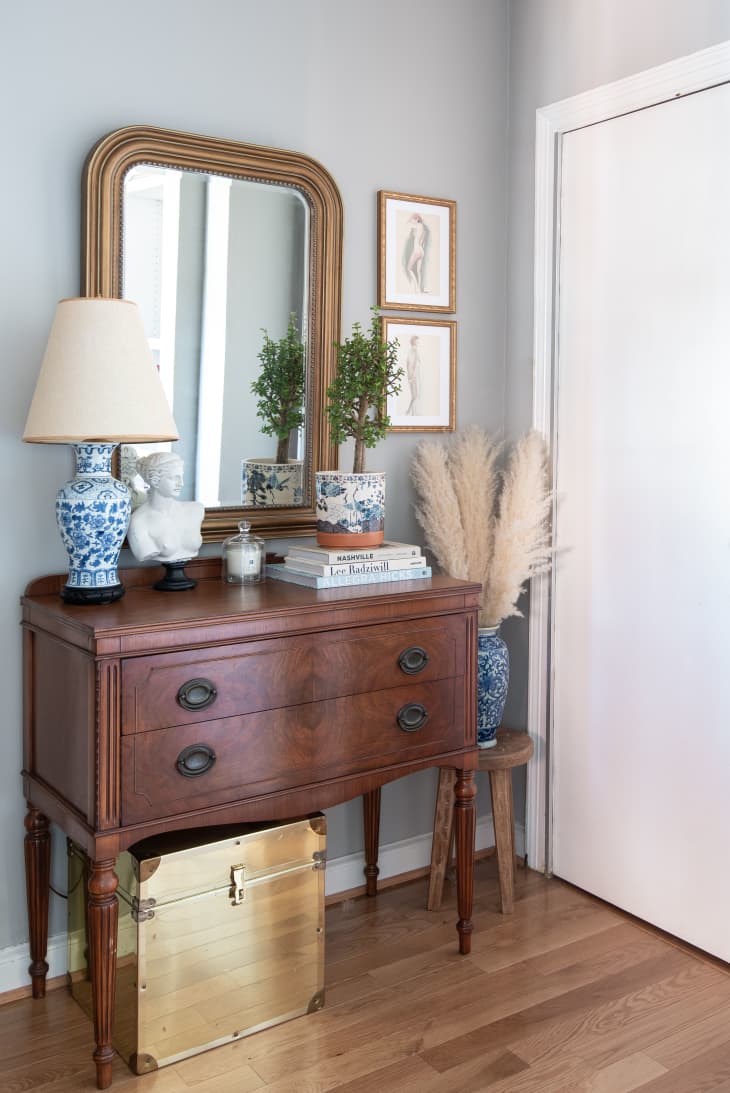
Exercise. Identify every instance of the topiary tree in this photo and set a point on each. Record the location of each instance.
(367, 373)
(280, 387)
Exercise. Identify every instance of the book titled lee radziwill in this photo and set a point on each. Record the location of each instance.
(377, 565)
(313, 580)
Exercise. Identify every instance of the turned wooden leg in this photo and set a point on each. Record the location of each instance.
(37, 887)
(103, 916)
(443, 827)
(465, 823)
(371, 825)
(500, 783)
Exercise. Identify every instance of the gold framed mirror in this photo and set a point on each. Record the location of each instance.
(220, 244)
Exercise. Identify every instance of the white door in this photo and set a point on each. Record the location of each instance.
(641, 608)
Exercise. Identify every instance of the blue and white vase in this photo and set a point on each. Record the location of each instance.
(92, 513)
(492, 683)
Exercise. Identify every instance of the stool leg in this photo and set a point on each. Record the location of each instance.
(465, 818)
(443, 823)
(500, 783)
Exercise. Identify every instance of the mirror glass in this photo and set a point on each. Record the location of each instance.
(213, 263)
(223, 245)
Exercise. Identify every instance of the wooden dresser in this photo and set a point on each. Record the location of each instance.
(225, 705)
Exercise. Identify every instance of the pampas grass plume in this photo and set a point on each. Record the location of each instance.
(521, 547)
(482, 524)
(438, 509)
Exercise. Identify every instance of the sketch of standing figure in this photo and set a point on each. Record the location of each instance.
(413, 375)
(415, 252)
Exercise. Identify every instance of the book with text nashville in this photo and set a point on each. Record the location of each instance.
(334, 556)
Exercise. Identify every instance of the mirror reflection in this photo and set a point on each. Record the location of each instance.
(219, 269)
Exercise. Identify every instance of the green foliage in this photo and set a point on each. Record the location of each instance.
(367, 373)
(280, 386)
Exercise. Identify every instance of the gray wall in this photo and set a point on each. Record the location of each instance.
(408, 96)
(560, 48)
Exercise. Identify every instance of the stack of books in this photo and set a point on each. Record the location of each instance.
(320, 567)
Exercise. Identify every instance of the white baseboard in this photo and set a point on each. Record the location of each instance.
(14, 963)
(343, 874)
(346, 873)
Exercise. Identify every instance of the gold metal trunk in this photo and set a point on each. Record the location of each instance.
(216, 939)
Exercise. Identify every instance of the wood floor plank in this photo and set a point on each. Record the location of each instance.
(540, 934)
(408, 1075)
(613, 938)
(227, 1062)
(402, 1016)
(565, 996)
(544, 1020)
(694, 1039)
(514, 989)
(705, 1073)
(438, 1011)
(628, 1025)
(623, 1076)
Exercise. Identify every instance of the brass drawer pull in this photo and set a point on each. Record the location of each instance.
(411, 717)
(195, 760)
(413, 660)
(196, 694)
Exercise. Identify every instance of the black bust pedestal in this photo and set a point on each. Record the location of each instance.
(175, 579)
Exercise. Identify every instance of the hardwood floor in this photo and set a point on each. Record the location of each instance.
(564, 996)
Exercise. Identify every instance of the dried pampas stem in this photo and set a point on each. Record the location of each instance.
(438, 510)
(482, 525)
(521, 531)
(472, 463)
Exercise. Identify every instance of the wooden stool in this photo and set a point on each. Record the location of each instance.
(512, 749)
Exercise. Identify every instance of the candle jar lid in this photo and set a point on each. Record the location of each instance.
(244, 556)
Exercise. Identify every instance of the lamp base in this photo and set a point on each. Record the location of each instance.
(92, 596)
(175, 579)
(92, 513)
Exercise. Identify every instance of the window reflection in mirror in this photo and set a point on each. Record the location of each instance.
(213, 261)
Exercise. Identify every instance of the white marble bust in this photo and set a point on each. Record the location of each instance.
(163, 529)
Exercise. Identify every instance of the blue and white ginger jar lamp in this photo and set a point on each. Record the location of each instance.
(98, 385)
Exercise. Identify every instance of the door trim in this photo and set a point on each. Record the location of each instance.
(684, 76)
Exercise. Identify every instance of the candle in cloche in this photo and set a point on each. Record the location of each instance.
(243, 557)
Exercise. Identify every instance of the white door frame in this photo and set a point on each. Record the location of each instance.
(697, 72)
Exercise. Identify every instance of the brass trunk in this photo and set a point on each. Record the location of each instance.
(216, 939)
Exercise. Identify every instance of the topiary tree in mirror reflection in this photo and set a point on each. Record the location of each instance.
(281, 386)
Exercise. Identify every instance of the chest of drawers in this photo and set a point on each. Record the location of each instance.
(224, 705)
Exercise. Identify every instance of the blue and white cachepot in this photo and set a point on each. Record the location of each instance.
(492, 682)
(92, 513)
(350, 509)
(267, 484)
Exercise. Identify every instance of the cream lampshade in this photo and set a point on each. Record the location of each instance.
(98, 385)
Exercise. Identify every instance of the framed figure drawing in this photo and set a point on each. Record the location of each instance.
(416, 253)
(427, 355)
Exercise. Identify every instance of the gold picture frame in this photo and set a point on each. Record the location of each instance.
(416, 252)
(427, 355)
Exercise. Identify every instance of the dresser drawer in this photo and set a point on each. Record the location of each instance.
(183, 688)
(362, 660)
(191, 767)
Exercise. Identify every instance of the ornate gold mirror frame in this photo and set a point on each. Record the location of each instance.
(102, 257)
